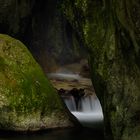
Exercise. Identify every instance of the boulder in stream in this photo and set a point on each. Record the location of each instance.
(28, 102)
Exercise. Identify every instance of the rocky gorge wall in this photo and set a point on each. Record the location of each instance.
(110, 30)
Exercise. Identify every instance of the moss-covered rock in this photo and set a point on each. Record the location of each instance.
(27, 99)
(110, 30)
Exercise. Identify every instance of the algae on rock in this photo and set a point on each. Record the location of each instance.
(110, 31)
(27, 99)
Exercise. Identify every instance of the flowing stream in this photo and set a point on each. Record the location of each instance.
(89, 111)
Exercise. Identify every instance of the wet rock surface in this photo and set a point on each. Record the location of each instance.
(110, 31)
(28, 102)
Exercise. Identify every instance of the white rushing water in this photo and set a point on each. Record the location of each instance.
(70, 103)
(64, 76)
(89, 111)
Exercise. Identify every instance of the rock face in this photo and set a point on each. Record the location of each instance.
(44, 30)
(111, 32)
(27, 99)
(15, 16)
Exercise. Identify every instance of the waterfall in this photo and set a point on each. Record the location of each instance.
(89, 104)
(85, 107)
(89, 111)
(70, 103)
(86, 104)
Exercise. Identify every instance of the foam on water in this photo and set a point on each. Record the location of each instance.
(64, 76)
(89, 112)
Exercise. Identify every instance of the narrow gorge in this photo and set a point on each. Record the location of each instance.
(71, 43)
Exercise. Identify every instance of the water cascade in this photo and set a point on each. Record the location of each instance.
(89, 111)
(70, 103)
(85, 107)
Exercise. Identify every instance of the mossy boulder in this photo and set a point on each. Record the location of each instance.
(27, 99)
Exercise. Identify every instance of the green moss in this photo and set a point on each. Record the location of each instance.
(110, 31)
(25, 90)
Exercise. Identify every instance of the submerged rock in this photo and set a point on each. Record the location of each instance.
(27, 99)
